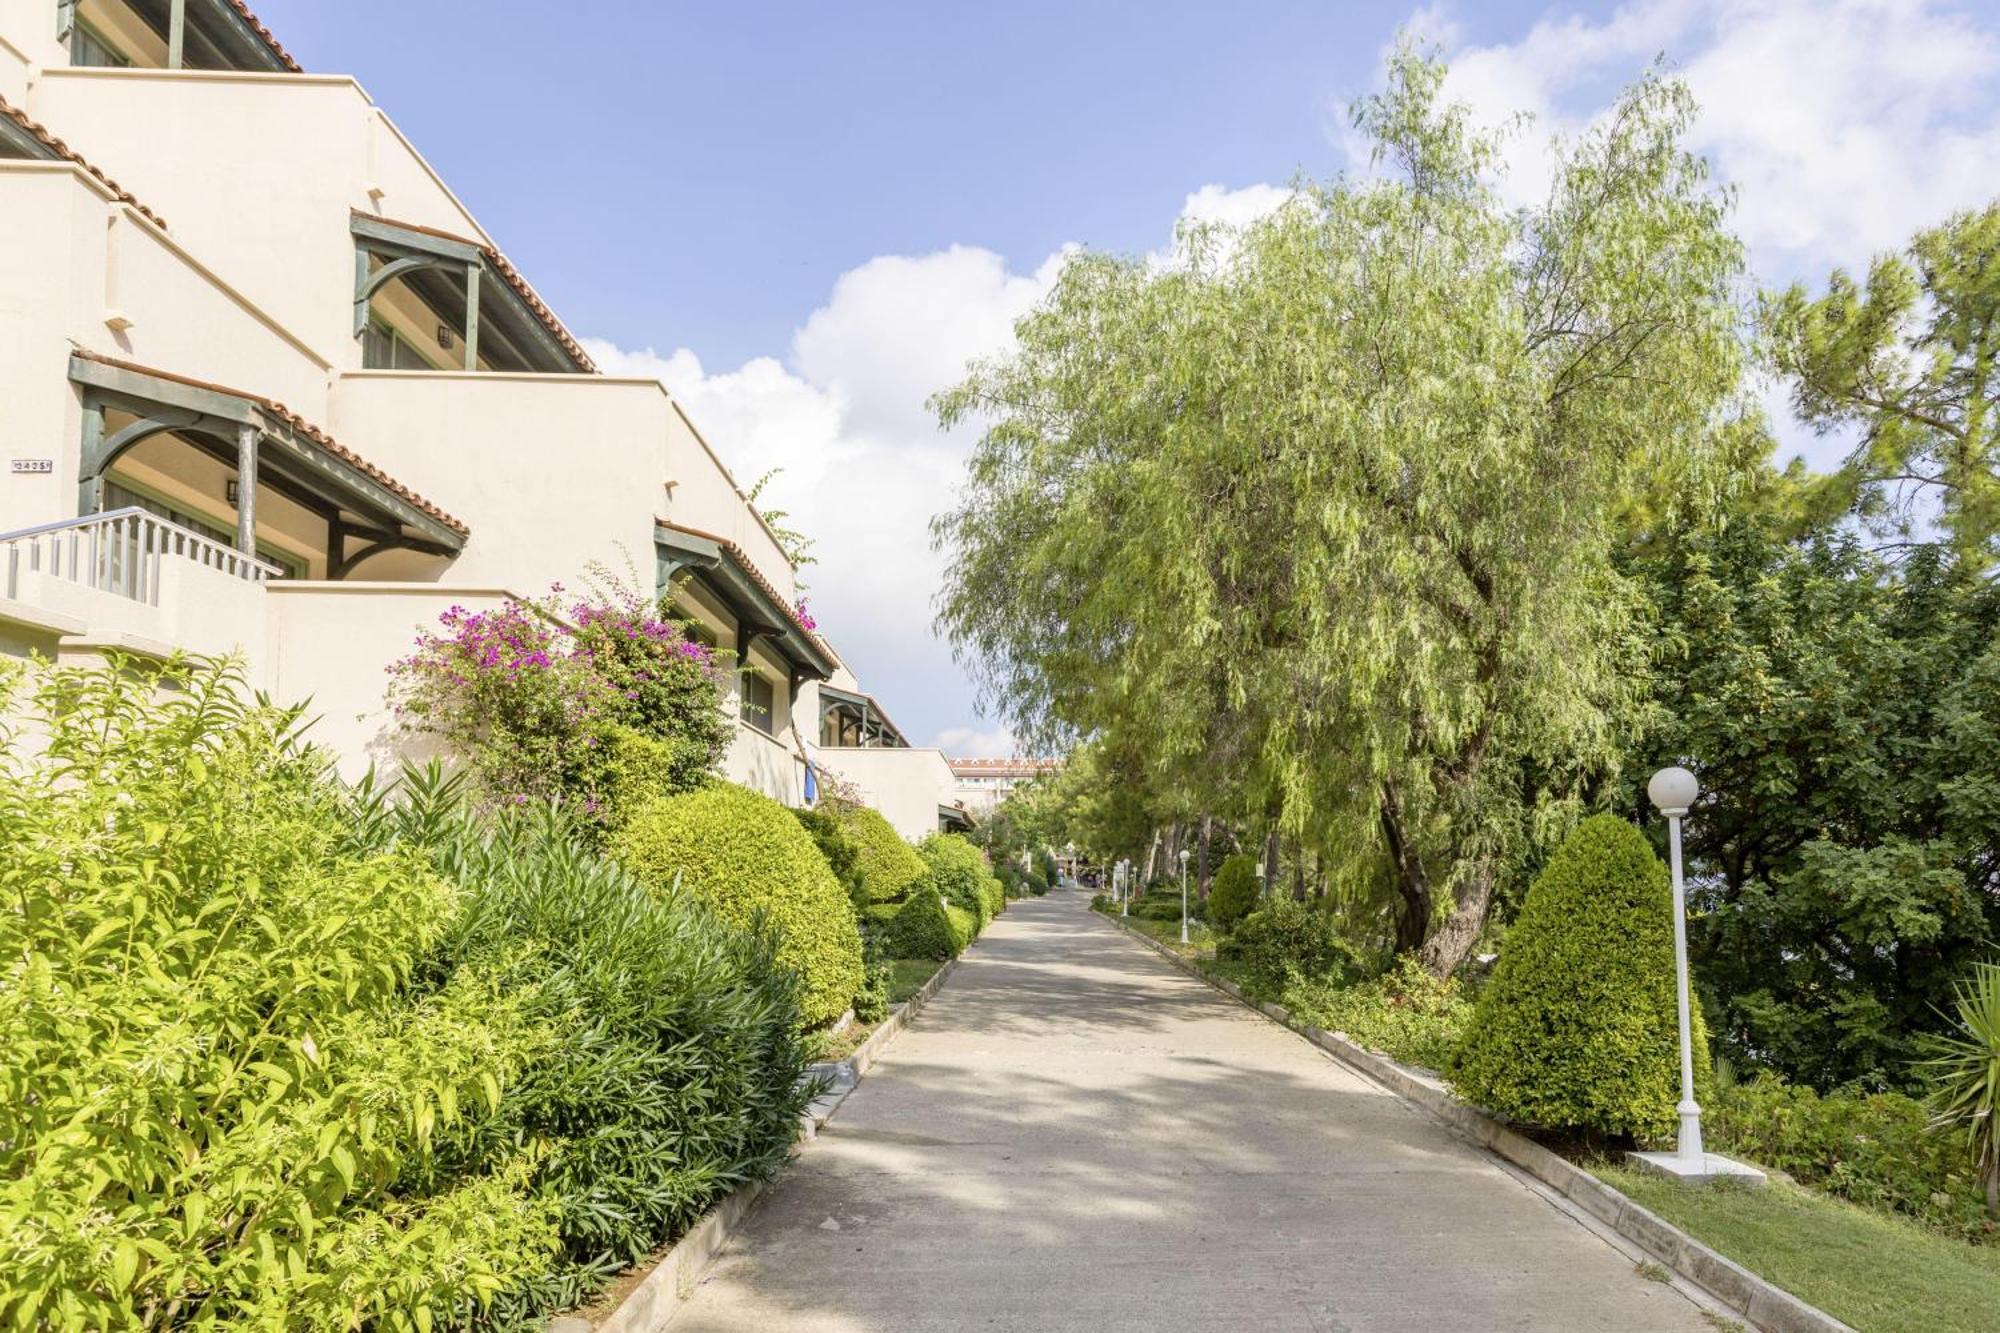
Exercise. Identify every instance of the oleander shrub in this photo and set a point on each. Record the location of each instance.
(230, 1066)
(922, 928)
(599, 701)
(1284, 943)
(1037, 885)
(1874, 1149)
(843, 857)
(1045, 866)
(747, 857)
(1012, 882)
(1578, 1027)
(1232, 895)
(890, 865)
(670, 1066)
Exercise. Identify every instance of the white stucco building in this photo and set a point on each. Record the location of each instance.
(982, 784)
(266, 386)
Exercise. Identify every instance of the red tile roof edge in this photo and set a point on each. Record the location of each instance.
(303, 427)
(62, 150)
(749, 566)
(265, 35)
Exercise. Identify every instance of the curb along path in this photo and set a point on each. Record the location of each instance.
(1075, 1134)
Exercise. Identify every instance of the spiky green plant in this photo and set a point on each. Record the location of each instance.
(1964, 1070)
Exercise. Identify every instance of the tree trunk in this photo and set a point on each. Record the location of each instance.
(1413, 881)
(1271, 856)
(1447, 948)
(1201, 859)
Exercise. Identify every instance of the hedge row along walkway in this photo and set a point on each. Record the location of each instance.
(1076, 1136)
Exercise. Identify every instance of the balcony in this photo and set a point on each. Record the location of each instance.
(168, 34)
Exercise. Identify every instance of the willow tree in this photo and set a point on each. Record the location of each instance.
(1352, 476)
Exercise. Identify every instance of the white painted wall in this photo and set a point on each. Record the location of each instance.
(906, 786)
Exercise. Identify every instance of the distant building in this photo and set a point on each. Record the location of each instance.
(984, 783)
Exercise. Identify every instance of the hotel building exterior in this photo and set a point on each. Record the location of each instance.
(267, 387)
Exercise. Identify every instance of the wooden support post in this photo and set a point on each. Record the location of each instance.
(246, 489)
(472, 316)
(90, 472)
(176, 32)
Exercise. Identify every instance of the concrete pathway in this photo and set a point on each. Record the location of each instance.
(1075, 1136)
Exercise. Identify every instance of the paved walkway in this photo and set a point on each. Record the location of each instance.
(1076, 1136)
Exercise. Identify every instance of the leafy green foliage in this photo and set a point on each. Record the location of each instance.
(843, 856)
(1874, 1149)
(888, 864)
(670, 1067)
(1964, 1069)
(1407, 1013)
(921, 928)
(600, 702)
(1233, 893)
(958, 871)
(965, 926)
(1284, 942)
(1844, 718)
(1906, 362)
(747, 857)
(1318, 520)
(1578, 1027)
(229, 1077)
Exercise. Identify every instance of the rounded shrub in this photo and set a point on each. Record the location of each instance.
(958, 871)
(1578, 1029)
(889, 865)
(921, 928)
(996, 896)
(744, 854)
(965, 927)
(1286, 942)
(1233, 894)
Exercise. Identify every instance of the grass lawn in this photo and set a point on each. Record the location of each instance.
(1879, 1273)
(906, 975)
(1201, 940)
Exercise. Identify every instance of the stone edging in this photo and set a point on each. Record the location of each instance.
(1761, 1303)
(658, 1297)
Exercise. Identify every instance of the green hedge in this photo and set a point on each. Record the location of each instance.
(384, 1064)
(1871, 1148)
(958, 871)
(965, 927)
(745, 855)
(843, 856)
(922, 928)
(1232, 895)
(1578, 1027)
(671, 1066)
(889, 865)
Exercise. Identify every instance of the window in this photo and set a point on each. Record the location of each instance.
(757, 701)
(88, 49)
(382, 348)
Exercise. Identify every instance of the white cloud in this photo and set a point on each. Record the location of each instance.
(1845, 125)
(974, 743)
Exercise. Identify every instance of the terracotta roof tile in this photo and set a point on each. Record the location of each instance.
(302, 427)
(62, 150)
(513, 278)
(749, 567)
(264, 34)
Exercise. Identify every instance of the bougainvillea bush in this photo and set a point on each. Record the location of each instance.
(598, 701)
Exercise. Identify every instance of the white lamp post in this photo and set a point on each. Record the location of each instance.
(1124, 888)
(1674, 790)
(1184, 861)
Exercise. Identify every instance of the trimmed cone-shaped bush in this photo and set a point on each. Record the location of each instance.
(843, 857)
(921, 929)
(1578, 1028)
(889, 866)
(1233, 894)
(743, 853)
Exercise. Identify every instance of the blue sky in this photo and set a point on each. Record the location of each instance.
(804, 217)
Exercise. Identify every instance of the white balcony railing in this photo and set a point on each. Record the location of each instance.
(119, 551)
